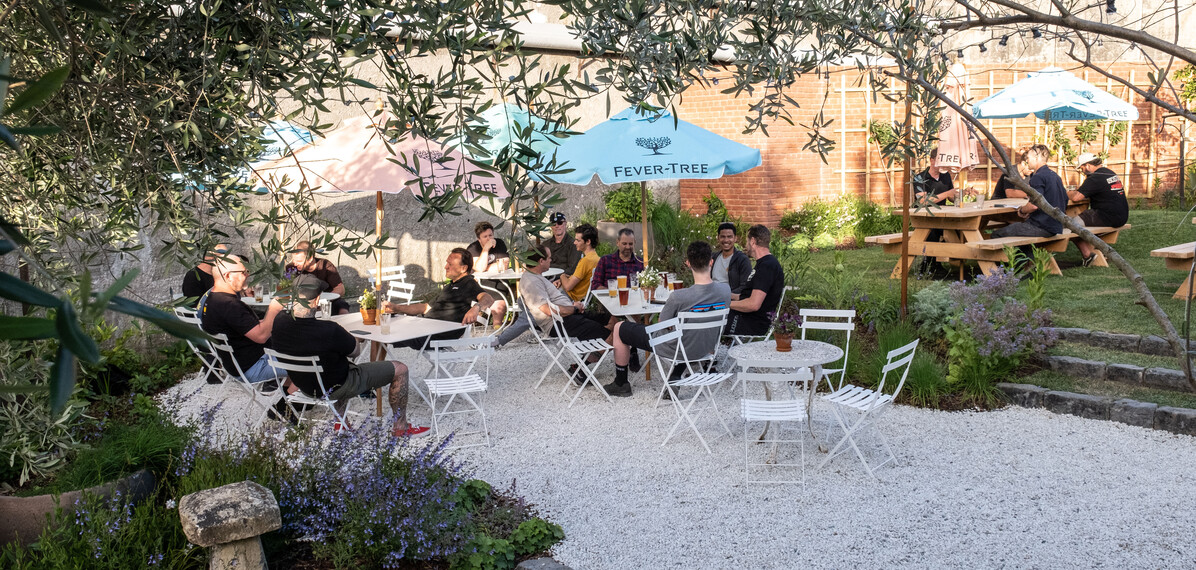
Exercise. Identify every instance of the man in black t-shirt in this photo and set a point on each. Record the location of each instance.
(1105, 193)
(299, 333)
(487, 251)
(222, 312)
(304, 260)
(933, 184)
(455, 303)
(751, 309)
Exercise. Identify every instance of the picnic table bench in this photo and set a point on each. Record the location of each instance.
(1178, 257)
(963, 237)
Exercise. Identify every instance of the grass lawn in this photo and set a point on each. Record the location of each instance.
(1096, 298)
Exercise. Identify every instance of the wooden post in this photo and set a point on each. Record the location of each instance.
(1129, 136)
(377, 235)
(905, 200)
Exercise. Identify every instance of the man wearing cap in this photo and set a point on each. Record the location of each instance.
(456, 302)
(222, 312)
(564, 253)
(304, 260)
(299, 333)
(199, 279)
(1047, 183)
(1105, 193)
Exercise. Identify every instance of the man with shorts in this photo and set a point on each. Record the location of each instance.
(221, 311)
(751, 310)
(1047, 183)
(538, 294)
(731, 266)
(1107, 206)
(299, 333)
(705, 295)
(304, 260)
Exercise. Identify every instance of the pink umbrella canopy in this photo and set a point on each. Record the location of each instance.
(957, 143)
(357, 157)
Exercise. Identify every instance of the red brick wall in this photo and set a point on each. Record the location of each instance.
(790, 176)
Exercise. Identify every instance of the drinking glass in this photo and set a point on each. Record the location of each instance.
(623, 296)
(612, 287)
(622, 281)
(384, 320)
(635, 281)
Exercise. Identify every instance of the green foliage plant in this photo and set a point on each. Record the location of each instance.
(1037, 267)
(845, 220)
(623, 203)
(926, 383)
(932, 309)
(836, 288)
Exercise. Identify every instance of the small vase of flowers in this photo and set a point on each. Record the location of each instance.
(649, 280)
(369, 307)
(786, 324)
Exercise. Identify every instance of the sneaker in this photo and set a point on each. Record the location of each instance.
(634, 364)
(282, 412)
(413, 430)
(619, 390)
(339, 427)
(667, 395)
(1087, 261)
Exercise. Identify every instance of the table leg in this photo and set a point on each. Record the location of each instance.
(816, 377)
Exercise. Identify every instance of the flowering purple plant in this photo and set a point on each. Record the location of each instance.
(288, 276)
(786, 319)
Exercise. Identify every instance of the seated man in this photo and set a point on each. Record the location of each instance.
(199, 279)
(731, 266)
(304, 260)
(577, 285)
(538, 293)
(1047, 183)
(622, 262)
(1107, 205)
(751, 310)
(299, 333)
(455, 303)
(488, 251)
(932, 184)
(222, 312)
(705, 295)
(565, 254)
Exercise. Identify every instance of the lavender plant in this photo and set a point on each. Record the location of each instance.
(991, 334)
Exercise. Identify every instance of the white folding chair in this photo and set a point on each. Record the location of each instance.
(400, 292)
(772, 412)
(736, 340)
(869, 405)
(694, 374)
(208, 359)
(695, 321)
(484, 325)
(263, 395)
(391, 274)
(829, 320)
(299, 401)
(456, 377)
(578, 351)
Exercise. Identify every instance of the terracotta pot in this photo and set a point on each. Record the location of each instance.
(369, 316)
(784, 342)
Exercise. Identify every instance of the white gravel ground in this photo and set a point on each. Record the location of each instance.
(1014, 488)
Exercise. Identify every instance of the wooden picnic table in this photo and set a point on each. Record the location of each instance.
(1178, 257)
(963, 234)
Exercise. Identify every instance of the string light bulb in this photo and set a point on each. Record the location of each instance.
(983, 48)
(1037, 33)
(1110, 6)
(1004, 41)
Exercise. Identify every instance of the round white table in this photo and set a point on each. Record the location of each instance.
(804, 354)
(267, 299)
(513, 275)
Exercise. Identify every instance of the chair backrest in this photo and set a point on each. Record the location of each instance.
(694, 322)
(899, 358)
(484, 319)
(780, 378)
(460, 357)
(660, 334)
(400, 292)
(830, 320)
(392, 273)
(220, 344)
(292, 363)
(203, 349)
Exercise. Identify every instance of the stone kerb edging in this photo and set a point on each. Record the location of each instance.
(1126, 411)
(1151, 344)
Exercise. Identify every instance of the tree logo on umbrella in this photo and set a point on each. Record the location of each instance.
(434, 157)
(653, 143)
(1086, 94)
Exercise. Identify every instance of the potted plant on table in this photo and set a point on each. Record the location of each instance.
(284, 283)
(786, 323)
(649, 280)
(369, 307)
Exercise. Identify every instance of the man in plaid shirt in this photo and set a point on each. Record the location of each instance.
(621, 262)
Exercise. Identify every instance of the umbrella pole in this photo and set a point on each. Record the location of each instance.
(644, 219)
(378, 233)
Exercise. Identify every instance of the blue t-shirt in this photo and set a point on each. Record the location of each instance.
(1051, 187)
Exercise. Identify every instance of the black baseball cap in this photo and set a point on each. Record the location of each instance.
(557, 218)
(309, 286)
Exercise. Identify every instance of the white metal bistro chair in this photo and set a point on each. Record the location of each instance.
(868, 405)
(400, 292)
(461, 374)
(208, 359)
(390, 274)
(736, 340)
(575, 351)
(829, 320)
(263, 395)
(773, 412)
(694, 372)
(298, 400)
(485, 327)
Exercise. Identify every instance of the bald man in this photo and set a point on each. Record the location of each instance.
(199, 279)
(222, 312)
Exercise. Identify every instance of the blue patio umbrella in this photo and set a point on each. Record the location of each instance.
(1053, 94)
(512, 129)
(631, 147)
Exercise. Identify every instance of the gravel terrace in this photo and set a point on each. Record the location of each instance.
(1014, 488)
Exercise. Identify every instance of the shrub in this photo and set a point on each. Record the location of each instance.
(932, 309)
(990, 334)
(623, 203)
(925, 384)
(829, 223)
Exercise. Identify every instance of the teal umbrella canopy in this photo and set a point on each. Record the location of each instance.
(512, 132)
(631, 147)
(1054, 95)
